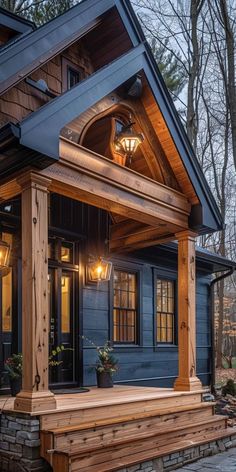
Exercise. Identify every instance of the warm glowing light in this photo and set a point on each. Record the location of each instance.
(128, 140)
(4, 254)
(99, 270)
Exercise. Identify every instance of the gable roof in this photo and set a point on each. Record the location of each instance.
(33, 50)
(15, 22)
(40, 131)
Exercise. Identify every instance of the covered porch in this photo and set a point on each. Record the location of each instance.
(103, 430)
(66, 178)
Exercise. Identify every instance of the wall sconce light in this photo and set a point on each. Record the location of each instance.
(128, 140)
(4, 257)
(99, 270)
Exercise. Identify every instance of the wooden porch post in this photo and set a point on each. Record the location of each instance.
(34, 395)
(187, 379)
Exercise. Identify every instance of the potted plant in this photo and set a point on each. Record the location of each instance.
(106, 366)
(13, 367)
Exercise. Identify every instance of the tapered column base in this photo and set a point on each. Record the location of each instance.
(189, 384)
(34, 402)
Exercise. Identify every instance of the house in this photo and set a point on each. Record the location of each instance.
(95, 167)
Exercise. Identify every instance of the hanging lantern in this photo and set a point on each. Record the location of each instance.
(99, 270)
(4, 255)
(128, 140)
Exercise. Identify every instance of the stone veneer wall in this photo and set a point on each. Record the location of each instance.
(20, 444)
(178, 459)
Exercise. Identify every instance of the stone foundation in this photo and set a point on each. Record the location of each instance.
(178, 459)
(20, 444)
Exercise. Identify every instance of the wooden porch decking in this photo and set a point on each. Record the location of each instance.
(104, 397)
(107, 429)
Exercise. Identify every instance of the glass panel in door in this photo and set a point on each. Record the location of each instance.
(61, 316)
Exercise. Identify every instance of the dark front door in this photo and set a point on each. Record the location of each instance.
(63, 293)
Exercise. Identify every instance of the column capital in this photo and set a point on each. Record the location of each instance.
(186, 234)
(33, 179)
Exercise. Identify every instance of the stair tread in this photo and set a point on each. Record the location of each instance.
(152, 453)
(149, 455)
(129, 418)
(73, 452)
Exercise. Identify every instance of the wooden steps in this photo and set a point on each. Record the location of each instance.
(105, 432)
(65, 462)
(98, 445)
(103, 457)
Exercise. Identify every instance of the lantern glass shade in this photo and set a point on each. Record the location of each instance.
(4, 254)
(99, 270)
(130, 144)
(129, 140)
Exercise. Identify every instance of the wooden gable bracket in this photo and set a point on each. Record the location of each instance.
(115, 105)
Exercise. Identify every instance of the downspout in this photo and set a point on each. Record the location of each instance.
(212, 300)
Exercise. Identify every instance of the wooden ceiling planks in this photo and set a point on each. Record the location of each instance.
(131, 235)
(108, 41)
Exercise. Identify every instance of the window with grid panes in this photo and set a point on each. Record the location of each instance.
(124, 307)
(165, 312)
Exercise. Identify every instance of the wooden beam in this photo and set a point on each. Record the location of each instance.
(94, 179)
(9, 190)
(187, 379)
(35, 395)
(130, 235)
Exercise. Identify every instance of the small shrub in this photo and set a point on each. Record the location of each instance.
(229, 388)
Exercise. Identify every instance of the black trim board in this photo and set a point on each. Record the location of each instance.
(15, 22)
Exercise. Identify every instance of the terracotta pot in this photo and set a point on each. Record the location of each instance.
(104, 380)
(15, 385)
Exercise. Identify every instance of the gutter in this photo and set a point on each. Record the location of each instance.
(212, 299)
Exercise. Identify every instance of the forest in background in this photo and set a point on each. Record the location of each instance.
(194, 43)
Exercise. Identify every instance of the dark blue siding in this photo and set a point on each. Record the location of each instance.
(146, 364)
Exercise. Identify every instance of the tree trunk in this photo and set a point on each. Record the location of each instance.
(192, 116)
(231, 90)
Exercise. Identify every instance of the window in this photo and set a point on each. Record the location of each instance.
(165, 311)
(66, 303)
(73, 77)
(72, 74)
(7, 302)
(7, 293)
(67, 252)
(124, 307)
